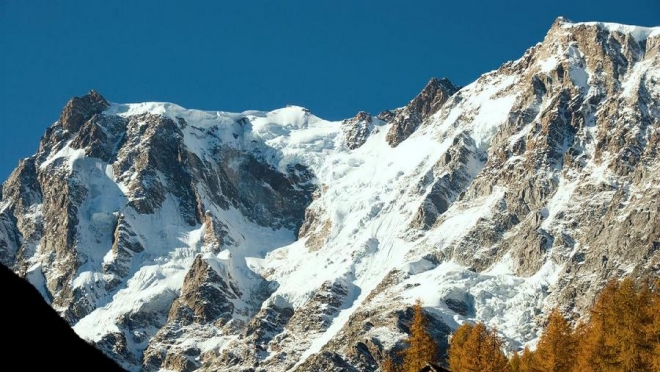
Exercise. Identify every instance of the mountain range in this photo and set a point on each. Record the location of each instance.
(179, 239)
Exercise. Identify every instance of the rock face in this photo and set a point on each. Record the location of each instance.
(178, 239)
(428, 102)
(359, 128)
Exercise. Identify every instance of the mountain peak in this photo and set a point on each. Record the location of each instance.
(95, 96)
(80, 109)
(639, 33)
(426, 103)
(560, 21)
(442, 83)
(181, 239)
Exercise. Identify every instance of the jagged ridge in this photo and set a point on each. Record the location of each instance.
(180, 239)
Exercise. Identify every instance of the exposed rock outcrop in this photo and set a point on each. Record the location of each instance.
(428, 102)
(179, 239)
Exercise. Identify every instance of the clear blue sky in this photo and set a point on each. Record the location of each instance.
(333, 57)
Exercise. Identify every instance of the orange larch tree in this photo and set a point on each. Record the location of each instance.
(422, 349)
(557, 346)
(480, 351)
(457, 354)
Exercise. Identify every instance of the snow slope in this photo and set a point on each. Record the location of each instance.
(226, 241)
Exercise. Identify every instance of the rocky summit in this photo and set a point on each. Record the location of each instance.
(178, 239)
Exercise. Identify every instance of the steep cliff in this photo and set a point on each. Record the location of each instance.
(179, 239)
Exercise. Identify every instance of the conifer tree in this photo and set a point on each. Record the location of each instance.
(654, 328)
(389, 366)
(514, 363)
(457, 353)
(585, 348)
(598, 352)
(494, 358)
(622, 335)
(632, 346)
(557, 347)
(481, 351)
(617, 337)
(526, 360)
(421, 346)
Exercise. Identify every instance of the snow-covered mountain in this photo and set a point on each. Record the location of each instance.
(178, 239)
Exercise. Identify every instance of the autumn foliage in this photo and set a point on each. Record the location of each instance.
(622, 335)
(557, 347)
(475, 348)
(421, 346)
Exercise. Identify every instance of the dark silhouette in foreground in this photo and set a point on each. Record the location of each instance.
(35, 337)
(431, 367)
